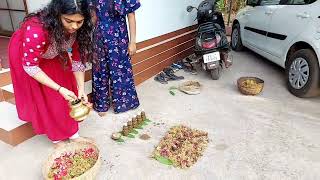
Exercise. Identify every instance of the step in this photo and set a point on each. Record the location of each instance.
(13, 131)
(6, 92)
(5, 78)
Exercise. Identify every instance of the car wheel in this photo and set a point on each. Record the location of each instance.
(236, 42)
(302, 72)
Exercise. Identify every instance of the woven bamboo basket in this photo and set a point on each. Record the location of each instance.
(190, 87)
(72, 147)
(252, 90)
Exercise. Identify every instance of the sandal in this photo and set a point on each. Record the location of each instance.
(169, 72)
(227, 59)
(165, 76)
(161, 79)
(174, 68)
(188, 67)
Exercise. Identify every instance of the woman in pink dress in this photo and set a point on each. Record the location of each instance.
(47, 56)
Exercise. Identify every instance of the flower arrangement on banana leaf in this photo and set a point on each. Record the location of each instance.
(181, 147)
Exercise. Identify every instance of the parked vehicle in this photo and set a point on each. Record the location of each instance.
(287, 32)
(211, 42)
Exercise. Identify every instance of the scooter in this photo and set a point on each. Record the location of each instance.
(211, 45)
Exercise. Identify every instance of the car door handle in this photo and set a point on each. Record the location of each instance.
(303, 15)
(268, 12)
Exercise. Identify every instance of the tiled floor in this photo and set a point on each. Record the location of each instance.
(9, 117)
(8, 88)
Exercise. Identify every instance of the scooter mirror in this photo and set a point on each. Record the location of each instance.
(189, 8)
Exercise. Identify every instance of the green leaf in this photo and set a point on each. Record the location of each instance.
(164, 160)
(140, 127)
(144, 123)
(147, 120)
(134, 131)
(130, 136)
(120, 140)
(172, 93)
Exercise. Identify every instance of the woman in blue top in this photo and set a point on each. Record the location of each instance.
(112, 69)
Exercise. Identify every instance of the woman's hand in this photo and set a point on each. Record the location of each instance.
(132, 49)
(67, 95)
(82, 95)
(94, 17)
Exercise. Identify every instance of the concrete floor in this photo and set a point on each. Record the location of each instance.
(272, 136)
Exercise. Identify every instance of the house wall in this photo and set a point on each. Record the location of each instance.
(165, 33)
(154, 18)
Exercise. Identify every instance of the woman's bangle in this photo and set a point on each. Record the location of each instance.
(59, 89)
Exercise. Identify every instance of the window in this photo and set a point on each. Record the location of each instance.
(252, 2)
(270, 2)
(12, 13)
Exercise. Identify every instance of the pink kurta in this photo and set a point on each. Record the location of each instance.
(31, 51)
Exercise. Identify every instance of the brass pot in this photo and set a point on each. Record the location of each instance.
(79, 111)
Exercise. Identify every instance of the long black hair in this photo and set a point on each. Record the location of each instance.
(50, 16)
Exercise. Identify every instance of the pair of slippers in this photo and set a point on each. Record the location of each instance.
(176, 67)
(167, 75)
(187, 66)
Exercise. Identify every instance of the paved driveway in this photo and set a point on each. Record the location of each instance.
(271, 136)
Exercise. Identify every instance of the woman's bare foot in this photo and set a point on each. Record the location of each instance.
(102, 114)
(59, 144)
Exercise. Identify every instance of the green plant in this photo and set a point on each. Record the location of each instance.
(221, 5)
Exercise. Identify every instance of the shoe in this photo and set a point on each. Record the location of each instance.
(188, 67)
(170, 73)
(161, 78)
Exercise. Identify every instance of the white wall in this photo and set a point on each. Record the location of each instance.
(154, 18)
(158, 17)
(34, 5)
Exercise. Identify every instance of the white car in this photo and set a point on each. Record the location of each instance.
(287, 32)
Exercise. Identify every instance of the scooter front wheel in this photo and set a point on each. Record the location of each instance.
(216, 73)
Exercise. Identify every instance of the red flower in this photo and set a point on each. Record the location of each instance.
(64, 173)
(57, 177)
